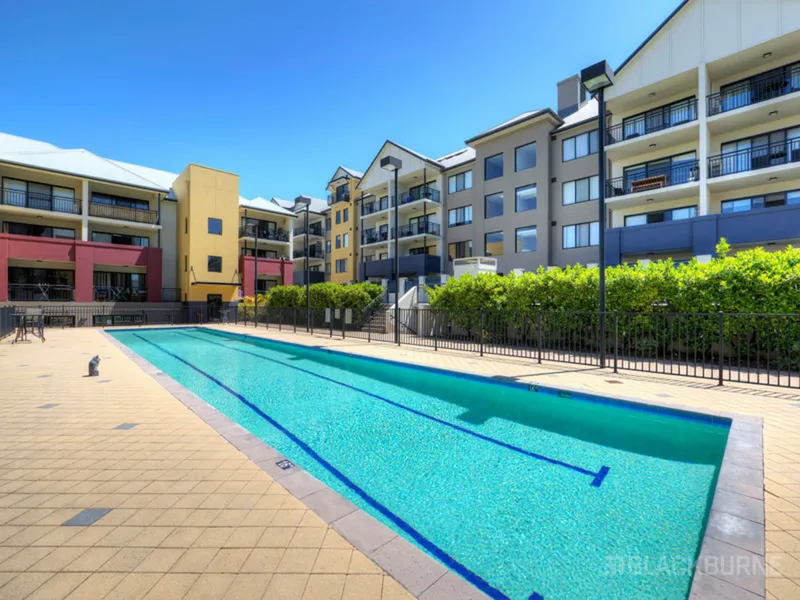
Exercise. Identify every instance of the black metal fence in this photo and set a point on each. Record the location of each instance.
(105, 316)
(747, 348)
(7, 321)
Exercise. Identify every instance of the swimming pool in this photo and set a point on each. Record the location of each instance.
(523, 491)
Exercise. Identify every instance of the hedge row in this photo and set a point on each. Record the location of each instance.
(752, 281)
(323, 295)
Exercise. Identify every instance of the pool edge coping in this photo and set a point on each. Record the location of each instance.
(739, 508)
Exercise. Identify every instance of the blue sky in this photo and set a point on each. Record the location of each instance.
(283, 92)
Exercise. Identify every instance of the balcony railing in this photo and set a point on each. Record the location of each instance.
(419, 194)
(40, 292)
(671, 115)
(110, 293)
(171, 295)
(313, 252)
(41, 201)
(264, 233)
(334, 198)
(751, 159)
(654, 179)
(375, 206)
(123, 213)
(315, 229)
(373, 236)
(419, 228)
(757, 89)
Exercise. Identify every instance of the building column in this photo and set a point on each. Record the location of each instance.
(291, 239)
(703, 89)
(85, 210)
(390, 216)
(84, 273)
(154, 279)
(247, 264)
(3, 270)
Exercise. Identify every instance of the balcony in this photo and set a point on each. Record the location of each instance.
(59, 204)
(681, 179)
(264, 233)
(40, 292)
(761, 88)
(743, 167)
(653, 121)
(313, 252)
(334, 198)
(376, 206)
(410, 266)
(314, 229)
(701, 234)
(373, 236)
(103, 293)
(123, 213)
(419, 194)
(299, 277)
(419, 228)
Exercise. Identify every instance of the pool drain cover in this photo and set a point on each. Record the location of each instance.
(285, 464)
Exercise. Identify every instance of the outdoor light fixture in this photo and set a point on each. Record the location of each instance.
(651, 94)
(390, 163)
(303, 202)
(773, 179)
(596, 79)
(652, 145)
(766, 55)
(773, 113)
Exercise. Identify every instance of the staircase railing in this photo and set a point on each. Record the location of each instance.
(375, 305)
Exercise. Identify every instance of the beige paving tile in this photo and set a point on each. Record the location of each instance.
(92, 559)
(324, 587)
(134, 586)
(210, 586)
(363, 587)
(172, 585)
(247, 586)
(58, 559)
(297, 560)
(332, 561)
(228, 560)
(284, 586)
(263, 560)
(194, 560)
(25, 558)
(160, 560)
(126, 560)
(96, 586)
(23, 585)
(59, 586)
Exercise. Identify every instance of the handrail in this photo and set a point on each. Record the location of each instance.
(757, 89)
(658, 119)
(752, 159)
(62, 204)
(632, 183)
(123, 213)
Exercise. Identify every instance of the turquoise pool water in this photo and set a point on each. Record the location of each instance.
(525, 492)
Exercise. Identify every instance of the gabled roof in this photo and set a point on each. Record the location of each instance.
(585, 114)
(265, 205)
(353, 173)
(343, 172)
(459, 157)
(404, 149)
(79, 162)
(518, 120)
(652, 35)
(316, 205)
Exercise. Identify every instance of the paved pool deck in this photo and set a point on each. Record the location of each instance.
(194, 516)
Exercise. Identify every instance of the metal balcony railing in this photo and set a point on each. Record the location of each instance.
(123, 213)
(40, 292)
(313, 252)
(40, 201)
(375, 206)
(315, 229)
(334, 198)
(653, 179)
(264, 233)
(419, 194)
(751, 159)
(373, 236)
(760, 88)
(110, 293)
(418, 228)
(659, 119)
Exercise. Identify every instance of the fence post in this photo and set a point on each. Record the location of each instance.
(310, 321)
(266, 317)
(435, 330)
(343, 319)
(280, 319)
(482, 325)
(331, 321)
(295, 319)
(720, 342)
(368, 324)
(539, 344)
(616, 338)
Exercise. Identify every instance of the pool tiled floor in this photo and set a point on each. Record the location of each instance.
(193, 517)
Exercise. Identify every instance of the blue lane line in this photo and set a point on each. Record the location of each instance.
(440, 554)
(597, 478)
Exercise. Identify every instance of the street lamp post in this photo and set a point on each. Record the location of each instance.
(308, 264)
(596, 79)
(390, 163)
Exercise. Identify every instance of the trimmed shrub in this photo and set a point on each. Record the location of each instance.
(324, 295)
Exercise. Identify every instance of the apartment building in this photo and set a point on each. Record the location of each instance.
(309, 238)
(342, 247)
(703, 137)
(80, 228)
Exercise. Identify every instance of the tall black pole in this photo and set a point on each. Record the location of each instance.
(396, 261)
(308, 271)
(601, 152)
(255, 272)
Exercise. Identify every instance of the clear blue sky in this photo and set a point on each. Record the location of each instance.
(283, 92)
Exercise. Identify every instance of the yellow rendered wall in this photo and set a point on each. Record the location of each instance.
(351, 228)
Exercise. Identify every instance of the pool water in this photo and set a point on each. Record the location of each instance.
(524, 492)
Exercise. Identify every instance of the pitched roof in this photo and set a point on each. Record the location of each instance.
(265, 205)
(459, 157)
(584, 114)
(526, 116)
(652, 35)
(316, 205)
(353, 173)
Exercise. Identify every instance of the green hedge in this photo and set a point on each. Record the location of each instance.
(752, 281)
(323, 295)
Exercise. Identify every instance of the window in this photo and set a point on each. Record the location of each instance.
(494, 243)
(526, 239)
(214, 226)
(525, 157)
(460, 182)
(525, 198)
(670, 170)
(580, 236)
(341, 265)
(38, 195)
(659, 216)
(580, 190)
(422, 250)
(345, 214)
(215, 264)
(118, 238)
(493, 205)
(328, 246)
(59, 233)
(121, 202)
(579, 146)
(460, 249)
(327, 268)
(346, 240)
(343, 192)
(338, 241)
(493, 167)
(767, 201)
(328, 224)
(758, 152)
(459, 216)
(659, 118)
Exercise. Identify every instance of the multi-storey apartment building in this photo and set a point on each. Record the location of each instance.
(80, 228)
(309, 240)
(704, 133)
(342, 244)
